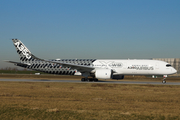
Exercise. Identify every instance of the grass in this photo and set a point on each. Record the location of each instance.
(33, 100)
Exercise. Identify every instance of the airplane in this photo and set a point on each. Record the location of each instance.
(92, 69)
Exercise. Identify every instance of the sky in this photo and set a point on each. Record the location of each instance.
(98, 29)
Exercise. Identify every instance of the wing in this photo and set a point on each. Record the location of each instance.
(80, 68)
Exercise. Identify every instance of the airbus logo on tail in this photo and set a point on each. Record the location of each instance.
(23, 50)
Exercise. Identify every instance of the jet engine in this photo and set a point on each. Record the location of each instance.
(107, 74)
(103, 74)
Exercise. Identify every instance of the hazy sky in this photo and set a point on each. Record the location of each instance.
(117, 29)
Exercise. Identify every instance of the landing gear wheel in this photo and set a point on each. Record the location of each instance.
(163, 81)
(89, 79)
(83, 79)
(95, 80)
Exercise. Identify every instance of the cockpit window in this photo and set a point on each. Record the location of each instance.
(168, 65)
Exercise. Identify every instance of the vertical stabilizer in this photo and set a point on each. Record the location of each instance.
(24, 53)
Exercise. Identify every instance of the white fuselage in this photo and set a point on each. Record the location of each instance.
(135, 67)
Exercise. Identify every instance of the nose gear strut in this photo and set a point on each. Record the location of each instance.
(164, 79)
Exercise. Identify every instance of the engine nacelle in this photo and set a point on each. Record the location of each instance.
(117, 77)
(103, 74)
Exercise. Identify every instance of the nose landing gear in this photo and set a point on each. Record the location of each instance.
(164, 79)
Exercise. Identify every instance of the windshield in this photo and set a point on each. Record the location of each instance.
(168, 65)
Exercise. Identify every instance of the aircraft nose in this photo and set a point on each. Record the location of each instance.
(174, 71)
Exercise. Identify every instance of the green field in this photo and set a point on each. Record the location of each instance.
(34, 100)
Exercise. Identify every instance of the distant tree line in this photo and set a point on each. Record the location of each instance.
(15, 70)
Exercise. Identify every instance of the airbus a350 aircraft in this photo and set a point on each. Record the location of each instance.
(91, 69)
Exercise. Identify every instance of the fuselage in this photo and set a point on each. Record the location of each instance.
(135, 67)
(119, 67)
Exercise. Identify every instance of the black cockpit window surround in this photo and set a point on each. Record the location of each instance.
(168, 65)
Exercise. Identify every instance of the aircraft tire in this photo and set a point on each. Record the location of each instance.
(83, 79)
(96, 80)
(163, 81)
(88, 80)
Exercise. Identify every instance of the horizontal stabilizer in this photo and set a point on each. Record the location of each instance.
(18, 63)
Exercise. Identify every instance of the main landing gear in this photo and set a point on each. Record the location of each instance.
(89, 79)
(164, 79)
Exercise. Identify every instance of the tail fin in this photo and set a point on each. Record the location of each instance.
(24, 53)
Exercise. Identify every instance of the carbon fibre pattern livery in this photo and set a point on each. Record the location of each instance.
(30, 61)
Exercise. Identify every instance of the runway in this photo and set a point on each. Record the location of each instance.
(106, 82)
